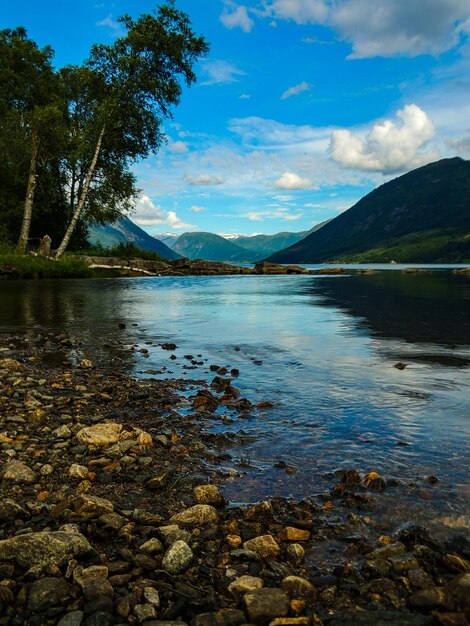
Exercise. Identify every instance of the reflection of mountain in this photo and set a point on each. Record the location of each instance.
(423, 308)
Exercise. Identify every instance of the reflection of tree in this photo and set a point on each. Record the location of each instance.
(87, 311)
(431, 308)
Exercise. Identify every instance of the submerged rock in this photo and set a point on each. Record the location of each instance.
(42, 549)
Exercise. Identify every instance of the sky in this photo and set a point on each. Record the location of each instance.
(300, 108)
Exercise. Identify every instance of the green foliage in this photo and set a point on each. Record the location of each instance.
(25, 266)
(122, 251)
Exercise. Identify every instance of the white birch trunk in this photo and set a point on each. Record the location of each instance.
(29, 200)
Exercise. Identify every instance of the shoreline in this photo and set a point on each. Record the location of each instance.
(120, 479)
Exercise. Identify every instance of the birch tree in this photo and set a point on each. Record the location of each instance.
(139, 80)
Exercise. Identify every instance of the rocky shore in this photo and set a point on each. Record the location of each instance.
(112, 512)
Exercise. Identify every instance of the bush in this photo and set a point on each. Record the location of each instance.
(122, 251)
(24, 266)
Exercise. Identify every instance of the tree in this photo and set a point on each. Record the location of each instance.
(30, 104)
(138, 82)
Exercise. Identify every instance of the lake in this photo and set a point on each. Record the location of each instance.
(321, 349)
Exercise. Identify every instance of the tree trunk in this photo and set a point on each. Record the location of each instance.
(83, 196)
(28, 203)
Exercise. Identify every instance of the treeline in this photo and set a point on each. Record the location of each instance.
(69, 136)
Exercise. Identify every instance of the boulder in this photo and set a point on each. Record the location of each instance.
(47, 592)
(208, 494)
(197, 515)
(109, 433)
(43, 549)
(18, 473)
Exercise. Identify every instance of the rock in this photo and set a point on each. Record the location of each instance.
(432, 598)
(88, 506)
(63, 432)
(295, 554)
(109, 433)
(100, 618)
(400, 365)
(10, 510)
(264, 546)
(47, 592)
(220, 384)
(260, 512)
(86, 364)
(293, 534)
(46, 470)
(384, 552)
(145, 612)
(208, 494)
(374, 481)
(11, 365)
(292, 621)
(74, 618)
(298, 588)
(459, 587)
(168, 346)
(18, 473)
(80, 472)
(160, 480)
(403, 562)
(177, 558)
(151, 596)
(93, 581)
(113, 521)
(152, 546)
(243, 585)
(263, 605)
(43, 549)
(173, 533)
(197, 515)
(411, 533)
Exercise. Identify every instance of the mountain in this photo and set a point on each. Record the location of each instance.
(422, 216)
(211, 248)
(269, 244)
(125, 231)
(169, 239)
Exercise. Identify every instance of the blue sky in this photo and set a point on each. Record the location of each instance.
(301, 107)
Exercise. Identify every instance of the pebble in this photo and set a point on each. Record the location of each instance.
(177, 558)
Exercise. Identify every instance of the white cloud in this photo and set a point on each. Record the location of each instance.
(178, 147)
(221, 73)
(290, 180)
(237, 17)
(245, 96)
(383, 27)
(279, 214)
(294, 91)
(148, 214)
(204, 179)
(197, 209)
(116, 28)
(399, 27)
(300, 11)
(389, 146)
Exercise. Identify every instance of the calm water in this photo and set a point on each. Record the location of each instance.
(322, 349)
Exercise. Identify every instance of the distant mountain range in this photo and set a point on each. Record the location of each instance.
(125, 231)
(422, 216)
(237, 248)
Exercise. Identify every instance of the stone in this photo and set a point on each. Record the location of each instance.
(46, 470)
(113, 521)
(18, 473)
(88, 506)
(260, 512)
(432, 598)
(43, 548)
(80, 472)
(291, 621)
(11, 365)
(152, 546)
(403, 562)
(144, 612)
(177, 558)
(264, 546)
(263, 605)
(208, 494)
(109, 433)
(197, 515)
(374, 481)
(62, 432)
(10, 510)
(293, 534)
(172, 533)
(100, 618)
(93, 581)
(243, 585)
(74, 618)
(297, 587)
(295, 554)
(160, 480)
(459, 587)
(151, 596)
(385, 552)
(47, 592)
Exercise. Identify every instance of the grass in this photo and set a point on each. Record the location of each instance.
(24, 266)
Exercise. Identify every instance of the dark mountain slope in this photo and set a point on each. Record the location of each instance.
(269, 244)
(426, 202)
(125, 231)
